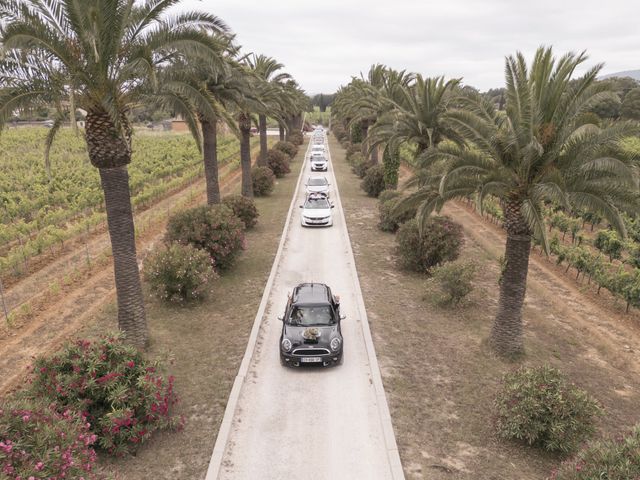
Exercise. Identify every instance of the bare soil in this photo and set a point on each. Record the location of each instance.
(439, 375)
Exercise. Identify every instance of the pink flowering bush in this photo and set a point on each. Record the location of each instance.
(611, 459)
(122, 395)
(214, 229)
(538, 406)
(39, 442)
(179, 273)
(244, 208)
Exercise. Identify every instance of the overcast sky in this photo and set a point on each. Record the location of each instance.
(322, 43)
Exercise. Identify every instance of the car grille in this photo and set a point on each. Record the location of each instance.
(311, 351)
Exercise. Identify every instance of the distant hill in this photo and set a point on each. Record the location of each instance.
(635, 74)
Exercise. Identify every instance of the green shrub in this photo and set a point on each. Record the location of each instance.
(373, 181)
(360, 165)
(263, 181)
(617, 459)
(353, 151)
(440, 242)
(214, 229)
(296, 138)
(455, 280)
(278, 162)
(387, 195)
(244, 208)
(287, 148)
(111, 383)
(38, 442)
(539, 407)
(339, 131)
(390, 217)
(179, 273)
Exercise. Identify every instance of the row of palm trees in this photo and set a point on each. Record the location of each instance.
(109, 56)
(540, 149)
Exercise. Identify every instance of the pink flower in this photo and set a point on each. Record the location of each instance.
(131, 364)
(39, 466)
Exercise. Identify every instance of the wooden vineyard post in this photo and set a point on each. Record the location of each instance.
(4, 304)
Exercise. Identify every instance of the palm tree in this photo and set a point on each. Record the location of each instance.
(265, 68)
(537, 151)
(105, 55)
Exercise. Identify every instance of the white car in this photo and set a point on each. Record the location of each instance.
(316, 211)
(317, 185)
(317, 149)
(319, 164)
(318, 141)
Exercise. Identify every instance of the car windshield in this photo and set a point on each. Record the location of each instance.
(316, 203)
(311, 316)
(317, 182)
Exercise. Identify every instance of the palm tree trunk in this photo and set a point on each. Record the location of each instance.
(374, 155)
(364, 130)
(281, 128)
(210, 156)
(117, 198)
(262, 127)
(506, 335)
(391, 163)
(110, 152)
(244, 124)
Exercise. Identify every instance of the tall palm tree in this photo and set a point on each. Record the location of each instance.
(105, 55)
(539, 151)
(266, 69)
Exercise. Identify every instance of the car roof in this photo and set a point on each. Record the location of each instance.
(311, 293)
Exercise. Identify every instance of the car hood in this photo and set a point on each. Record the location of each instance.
(319, 188)
(294, 334)
(316, 212)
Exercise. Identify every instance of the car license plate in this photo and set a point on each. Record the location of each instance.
(310, 359)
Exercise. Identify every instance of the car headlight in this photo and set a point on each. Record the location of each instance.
(335, 344)
(286, 344)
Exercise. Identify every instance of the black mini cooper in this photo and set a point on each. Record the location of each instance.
(311, 327)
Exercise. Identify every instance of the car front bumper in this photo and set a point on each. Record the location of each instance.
(296, 360)
(308, 223)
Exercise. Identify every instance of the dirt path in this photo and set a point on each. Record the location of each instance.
(324, 421)
(55, 317)
(607, 331)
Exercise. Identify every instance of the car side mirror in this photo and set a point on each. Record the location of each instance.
(342, 317)
(300, 206)
(281, 318)
(333, 206)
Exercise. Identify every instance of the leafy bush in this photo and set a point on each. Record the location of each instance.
(360, 165)
(263, 181)
(373, 182)
(539, 407)
(179, 273)
(214, 229)
(390, 218)
(287, 148)
(455, 279)
(617, 459)
(296, 138)
(111, 383)
(353, 150)
(278, 162)
(244, 208)
(339, 131)
(387, 195)
(440, 242)
(38, 442)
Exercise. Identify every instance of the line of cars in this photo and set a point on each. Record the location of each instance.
(311, 333)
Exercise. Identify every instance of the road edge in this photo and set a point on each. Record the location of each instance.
(215, 463)
(393, 455)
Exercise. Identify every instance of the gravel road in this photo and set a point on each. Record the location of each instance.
(311, 422)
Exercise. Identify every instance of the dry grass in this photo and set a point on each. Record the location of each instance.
(204, 345)
(440, 377)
